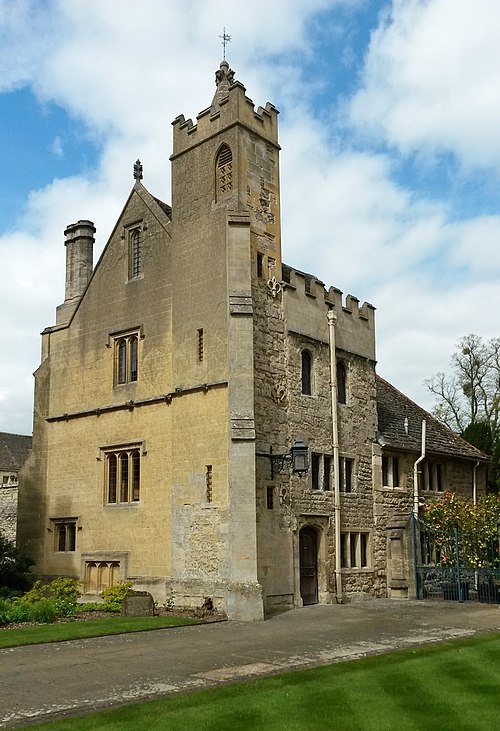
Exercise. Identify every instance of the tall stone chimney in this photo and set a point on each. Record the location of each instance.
(79, 264)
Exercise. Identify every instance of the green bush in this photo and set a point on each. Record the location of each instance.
(20, 611)
(91, 607)
(45, 611)
(37, 592)
(114, 596)
(65, 593)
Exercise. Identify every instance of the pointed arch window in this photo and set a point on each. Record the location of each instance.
(306, 366)
(126, 358)
(135, 253)
(224, 171)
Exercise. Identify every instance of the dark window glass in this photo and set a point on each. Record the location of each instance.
(327, 467)
(136, 254)
(315, 466)
(71, 536)
(341, 382)
(136, 475)
(124, 477)
(61, 537)
(112, 472)
(270, 498)
(122, 361)
(306, 372)
(133, 357)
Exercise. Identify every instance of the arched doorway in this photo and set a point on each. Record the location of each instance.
(308, 554)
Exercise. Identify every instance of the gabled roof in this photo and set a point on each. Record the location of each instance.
(394, 408)
(14, 449)
(164, 206)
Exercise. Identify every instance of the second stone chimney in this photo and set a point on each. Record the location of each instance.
(79, 265)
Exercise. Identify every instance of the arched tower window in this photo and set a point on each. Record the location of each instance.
(224, 171)
(306, 364)
(341, 382)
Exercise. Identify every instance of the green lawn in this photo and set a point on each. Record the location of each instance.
(453, 686)
(115, 625)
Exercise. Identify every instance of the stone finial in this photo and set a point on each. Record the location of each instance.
(224, 77)
(138, 170)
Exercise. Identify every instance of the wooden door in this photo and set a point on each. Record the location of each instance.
(308, 550)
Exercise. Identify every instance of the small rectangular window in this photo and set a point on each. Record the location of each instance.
(346, 465)
(270, 498)
(315, 470)
(260, 265)
(208, 483)
(390, 471)
(327, 470)
(432, 476)
(354, 550)
(65, 535)
(200, 344)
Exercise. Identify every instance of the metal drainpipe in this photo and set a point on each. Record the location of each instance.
(415, 471)
(474, 482)
(332, 318)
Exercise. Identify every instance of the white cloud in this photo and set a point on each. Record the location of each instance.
(431, 80)
(126, 75)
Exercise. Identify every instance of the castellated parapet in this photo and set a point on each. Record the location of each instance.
(307, 302)
(235, 108)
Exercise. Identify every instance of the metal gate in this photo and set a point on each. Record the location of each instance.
(443, 571)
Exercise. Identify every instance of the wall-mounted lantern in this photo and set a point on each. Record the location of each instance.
(297, 458)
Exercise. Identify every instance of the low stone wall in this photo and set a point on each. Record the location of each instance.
(8, 512)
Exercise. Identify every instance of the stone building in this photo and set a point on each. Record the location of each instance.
(14, 449)
(180, 379)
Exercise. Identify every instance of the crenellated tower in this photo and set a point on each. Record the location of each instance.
(225, 230)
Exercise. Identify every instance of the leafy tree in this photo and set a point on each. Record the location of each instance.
(477, 526)
(15, 567)
(468, 399)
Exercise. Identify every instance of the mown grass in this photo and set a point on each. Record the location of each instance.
(115, 625)
(447, 687)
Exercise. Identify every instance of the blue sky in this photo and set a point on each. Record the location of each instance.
(390, 165)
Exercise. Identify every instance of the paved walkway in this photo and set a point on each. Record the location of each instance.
(66, 678)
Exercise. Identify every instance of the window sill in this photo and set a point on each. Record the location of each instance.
(361, 570)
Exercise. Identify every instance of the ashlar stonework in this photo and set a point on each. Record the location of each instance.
(184, 364)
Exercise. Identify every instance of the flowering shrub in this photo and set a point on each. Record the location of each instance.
(63, 592)
(477, 527)
(114, 596)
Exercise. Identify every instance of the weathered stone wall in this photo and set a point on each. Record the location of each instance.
(8, 512)
(284, 326)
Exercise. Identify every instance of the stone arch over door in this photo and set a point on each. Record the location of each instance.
(308, 562)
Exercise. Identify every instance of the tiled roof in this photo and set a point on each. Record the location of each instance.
(164, 206)
(14, 449)
(394, 408)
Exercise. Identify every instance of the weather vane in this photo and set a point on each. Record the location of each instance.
(225, 40)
